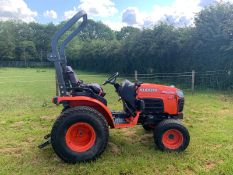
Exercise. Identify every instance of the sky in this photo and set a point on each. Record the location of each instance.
(114, 13)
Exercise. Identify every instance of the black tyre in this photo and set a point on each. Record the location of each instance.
(148, 127)
(79, 134)
(171, 135)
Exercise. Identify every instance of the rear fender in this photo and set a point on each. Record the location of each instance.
(87, 101)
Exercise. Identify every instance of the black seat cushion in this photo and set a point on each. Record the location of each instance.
(71, 76)
(95, 87)
(79, 87)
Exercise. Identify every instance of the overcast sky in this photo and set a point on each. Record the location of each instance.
(114, 13)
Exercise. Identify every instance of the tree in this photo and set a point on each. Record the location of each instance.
(7, 41)
(28, 51)
(208, 45)
(42, 35)
(213, 37)
(96, 30)
(127, 32)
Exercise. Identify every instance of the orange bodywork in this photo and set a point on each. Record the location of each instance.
(103, 109)
(165, 93)
(88, 101)
(132, 122)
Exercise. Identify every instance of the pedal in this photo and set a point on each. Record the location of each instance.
(120, 121)
(120, 117)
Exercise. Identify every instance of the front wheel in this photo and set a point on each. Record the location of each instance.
(79, 134)
(171, 135)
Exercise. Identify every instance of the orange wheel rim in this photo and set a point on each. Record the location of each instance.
(172, 139)
(80, 137)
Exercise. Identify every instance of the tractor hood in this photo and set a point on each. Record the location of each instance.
(147, 89)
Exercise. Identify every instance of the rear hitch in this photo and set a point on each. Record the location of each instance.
(45, 143)
(47, 136)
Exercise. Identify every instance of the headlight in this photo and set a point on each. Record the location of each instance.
(180, 93)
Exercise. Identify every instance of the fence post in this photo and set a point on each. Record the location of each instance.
(193, 81)
(136, 75)
(25, 61)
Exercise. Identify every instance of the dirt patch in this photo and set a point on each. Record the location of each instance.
(129, 132)
(218, 146)
(15, 151)
(209, 165)
(46, 117)
(170, 168)
(146, 137)
(2, 122)
(225, 111)
(225, 98)
(125, 173)
(114, 148)
(17, 124)
(29, 140)
(189, 171)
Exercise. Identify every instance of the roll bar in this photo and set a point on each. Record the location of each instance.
(72, 35)
(58, 55)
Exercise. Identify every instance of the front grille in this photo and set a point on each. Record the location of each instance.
(180, 105)
(153, 105)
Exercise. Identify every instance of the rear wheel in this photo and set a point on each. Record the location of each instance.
(79, 134)
(171, 135)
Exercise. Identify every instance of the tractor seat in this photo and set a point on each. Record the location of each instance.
(71, 76)
(96, 88)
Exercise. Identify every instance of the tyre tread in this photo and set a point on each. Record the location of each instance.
(166, 124)
(79, 109)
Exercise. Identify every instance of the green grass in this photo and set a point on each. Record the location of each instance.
(26, 115)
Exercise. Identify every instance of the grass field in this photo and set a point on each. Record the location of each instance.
(26, 115)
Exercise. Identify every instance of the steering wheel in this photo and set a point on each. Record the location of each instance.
(111, 79)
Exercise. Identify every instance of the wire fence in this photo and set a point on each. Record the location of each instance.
(221, 80)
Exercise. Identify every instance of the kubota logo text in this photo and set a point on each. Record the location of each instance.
(148, 90)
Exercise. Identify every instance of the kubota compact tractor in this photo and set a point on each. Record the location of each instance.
(81, 131)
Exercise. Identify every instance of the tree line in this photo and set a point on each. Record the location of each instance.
(207, 45)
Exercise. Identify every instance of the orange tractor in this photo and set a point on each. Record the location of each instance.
(81, 131)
